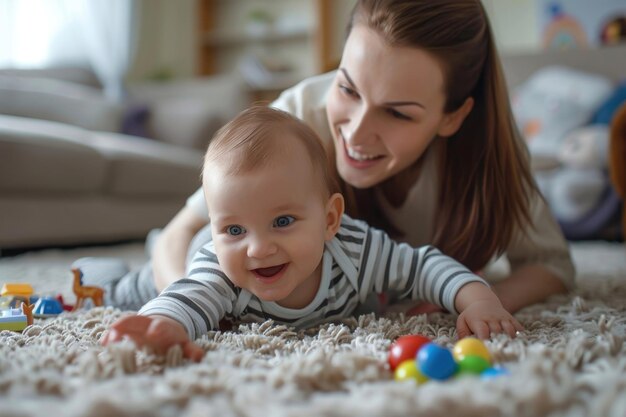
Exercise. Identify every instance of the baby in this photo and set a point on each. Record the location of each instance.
(283, 249)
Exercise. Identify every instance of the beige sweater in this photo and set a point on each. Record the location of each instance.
(544, 245)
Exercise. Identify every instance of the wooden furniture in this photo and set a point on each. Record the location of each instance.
(617, 158)
(280, 41)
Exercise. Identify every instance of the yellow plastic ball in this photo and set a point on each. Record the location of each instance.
(470, 346)
(408, 370)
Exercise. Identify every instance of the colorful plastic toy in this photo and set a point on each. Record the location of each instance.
(13, 319)
(15, 301)
(21, 289)
(47, 307)
(66, 307)
(5, 302)
(27, 309)
(473, 364)
(408, 370)
(470, 346)
(415, 357)
(405, 348)
(436, 362)
(494, 372)
(83, 293)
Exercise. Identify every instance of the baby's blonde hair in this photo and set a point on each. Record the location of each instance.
(259, 135)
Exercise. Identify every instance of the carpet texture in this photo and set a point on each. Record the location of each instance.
(570, 360)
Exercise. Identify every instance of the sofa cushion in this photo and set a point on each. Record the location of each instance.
(185, 121)
(187, 112)
(59, 101)
(144, 167)
(46, 157)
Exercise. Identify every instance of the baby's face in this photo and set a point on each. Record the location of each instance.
(269, 227)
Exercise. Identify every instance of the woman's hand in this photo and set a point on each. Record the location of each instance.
(483, 317)
(156, 332)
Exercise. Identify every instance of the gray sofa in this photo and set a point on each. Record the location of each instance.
(67, 177)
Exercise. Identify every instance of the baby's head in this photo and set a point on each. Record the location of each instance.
(262, 136)
(273, 203)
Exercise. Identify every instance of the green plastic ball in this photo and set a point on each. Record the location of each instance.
(472, 364)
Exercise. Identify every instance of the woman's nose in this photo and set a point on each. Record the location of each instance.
(360, 130)
(260, 247)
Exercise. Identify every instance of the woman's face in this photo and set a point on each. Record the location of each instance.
(385, 107)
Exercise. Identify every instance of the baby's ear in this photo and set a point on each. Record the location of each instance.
(334, 212)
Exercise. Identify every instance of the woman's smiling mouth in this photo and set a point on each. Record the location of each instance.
(358, 159)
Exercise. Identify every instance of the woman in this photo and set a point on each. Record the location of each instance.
(418, 119)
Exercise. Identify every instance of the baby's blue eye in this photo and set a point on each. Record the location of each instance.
(235, 230)
(283, 221)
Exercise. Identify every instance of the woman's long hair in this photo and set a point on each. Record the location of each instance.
(484, 175)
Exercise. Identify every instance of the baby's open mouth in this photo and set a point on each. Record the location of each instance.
(269, 271)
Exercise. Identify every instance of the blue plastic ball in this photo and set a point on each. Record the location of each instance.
(494, 372)
(436, 362)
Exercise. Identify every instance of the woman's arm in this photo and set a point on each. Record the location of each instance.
(541, 263)
(171, 246)
(528, 285)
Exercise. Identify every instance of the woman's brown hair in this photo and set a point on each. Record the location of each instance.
(484, 174)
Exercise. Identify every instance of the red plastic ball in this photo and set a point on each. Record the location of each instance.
(405, 348)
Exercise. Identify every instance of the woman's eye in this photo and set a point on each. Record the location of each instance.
(348, 91)
(235, 230)
(283, 221)
(398, 115)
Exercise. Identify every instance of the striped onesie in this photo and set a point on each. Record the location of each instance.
(360, 260)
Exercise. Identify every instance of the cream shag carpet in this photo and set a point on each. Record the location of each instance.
(570, 361)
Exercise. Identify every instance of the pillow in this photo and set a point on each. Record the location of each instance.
(553, 101)
(189, 122)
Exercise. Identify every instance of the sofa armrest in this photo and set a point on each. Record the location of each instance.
(59, 101)
(41, 156)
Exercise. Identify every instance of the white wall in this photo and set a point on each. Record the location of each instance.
(515, 24)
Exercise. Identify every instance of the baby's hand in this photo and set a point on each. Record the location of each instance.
(482, 317)
(156, 332)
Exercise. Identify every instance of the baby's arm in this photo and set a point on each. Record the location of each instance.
(185, 310)
(481, 312)
(156, 332)
(424, 273)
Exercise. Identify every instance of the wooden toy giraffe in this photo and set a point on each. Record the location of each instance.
(84, 292)
(27, 309)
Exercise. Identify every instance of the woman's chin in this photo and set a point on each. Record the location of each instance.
(357, 179)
